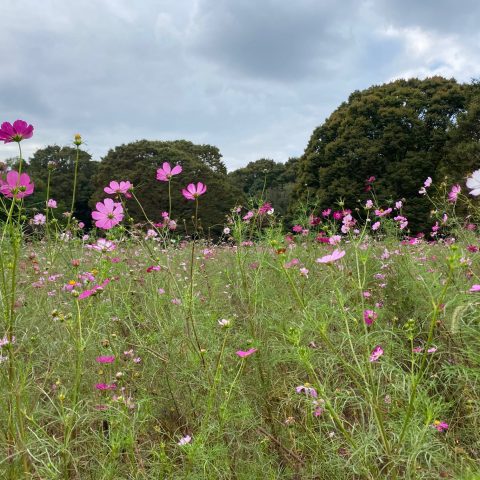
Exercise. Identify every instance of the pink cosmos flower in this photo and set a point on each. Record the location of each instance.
(382, 213)
(184, 440)
(166, 173)
(369, 204)
(39, 219)
(20, 130)
(333, 257)
(105, 386)
(369, 316)
(453, 195)
(16, 186)
(376, 353)
(440, 426)
(297, 228)
(248, 216)
(192, 192)
(474, 288)
(52, 203)
(108, 214)
(94, 290)
(307, 389)
(116, 188)
(337, 215)
(105, 359)
(265, 208)
(243, 354)
(376, 226)
(103, 245)
(326, 213)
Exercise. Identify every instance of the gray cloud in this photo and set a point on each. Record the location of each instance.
(252, 77)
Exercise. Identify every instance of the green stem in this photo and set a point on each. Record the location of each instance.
(75, 175)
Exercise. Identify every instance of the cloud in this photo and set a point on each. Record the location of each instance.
(251, 77)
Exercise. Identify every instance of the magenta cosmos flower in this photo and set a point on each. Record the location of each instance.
(118, 188)
(108, 214)
(454, 192)
(16, 186)
(335, 255)
(166, 173)
(376, 353)
(105, 359)
(369, 316)
(20, 130)
(192, 192)
(243, 354)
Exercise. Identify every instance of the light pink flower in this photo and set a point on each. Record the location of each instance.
(453, 195)
(474, 288)
(118, 188)
(307, 389)
(52, 203)
(382, 213)
(184, 440)
(20, 130)
(333, 257)
(108, 214)
(103, 245)
(192, 192)
(376, 226)
(376, 353)
(39, 219)
(369, 204)
(166, 173)
(16, 186)
(243, 354)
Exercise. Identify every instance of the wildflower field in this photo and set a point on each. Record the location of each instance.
(341, 348)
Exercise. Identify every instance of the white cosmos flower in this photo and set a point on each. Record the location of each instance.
(473, 183)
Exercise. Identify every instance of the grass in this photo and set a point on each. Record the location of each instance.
(244, 415)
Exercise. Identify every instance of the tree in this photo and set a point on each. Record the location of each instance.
(61, 161)
(265, 178)
(138, 163)
(398, 132)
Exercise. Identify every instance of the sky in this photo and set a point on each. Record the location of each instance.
(252, 77)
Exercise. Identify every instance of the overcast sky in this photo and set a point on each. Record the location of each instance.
(253, 77)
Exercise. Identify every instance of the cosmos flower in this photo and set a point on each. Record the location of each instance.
(117, 188)
(453, 195)
(105, 359)
(369, 316)
(333, 257)
(473, 183)
(192, 192)
(16, 186)
(108, 214)
(20, 130)
(243, 354)
(376, 353)
(166, 173)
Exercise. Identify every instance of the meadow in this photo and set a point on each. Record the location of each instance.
(340, 349)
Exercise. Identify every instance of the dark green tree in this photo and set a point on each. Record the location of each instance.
(399, 132)
(138, 162)
(267, 180)
(61, 162)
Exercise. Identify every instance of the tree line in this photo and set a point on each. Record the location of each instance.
(400, 132)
